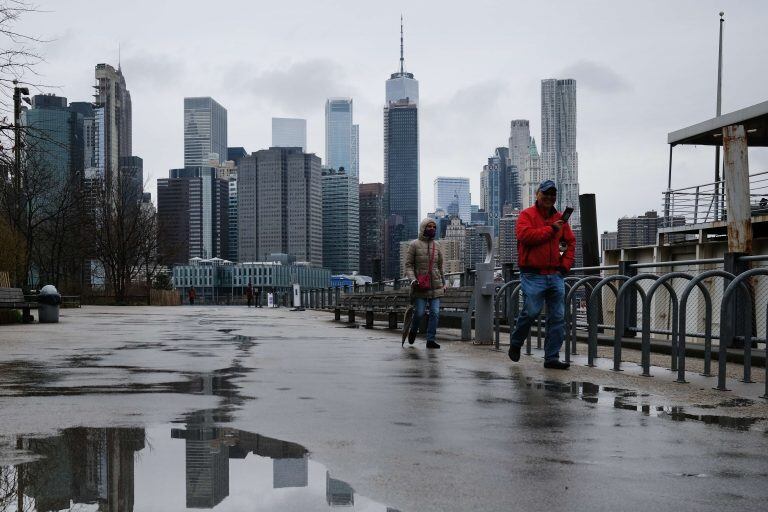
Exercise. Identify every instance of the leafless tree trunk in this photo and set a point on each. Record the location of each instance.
(124, 233)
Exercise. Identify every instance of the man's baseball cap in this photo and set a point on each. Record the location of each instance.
(547, 185)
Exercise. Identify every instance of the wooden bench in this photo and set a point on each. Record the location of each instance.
(13, 298)
(456, 303)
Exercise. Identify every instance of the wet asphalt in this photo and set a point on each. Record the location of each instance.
(461, 428)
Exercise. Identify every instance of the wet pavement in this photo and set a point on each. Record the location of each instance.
(268, 409)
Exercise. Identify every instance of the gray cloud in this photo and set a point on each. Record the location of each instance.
(596, 76)
(299, 86)
(153, 69)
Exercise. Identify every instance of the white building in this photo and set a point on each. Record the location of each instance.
(559, 159)
(289, 133)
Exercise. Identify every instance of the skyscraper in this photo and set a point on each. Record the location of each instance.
(356, 150)
(531, 176)
(453, 190)
(519, 159)
(492, 187)
(113, 121)
(54, 137)
(234, 155)
(205, 131)
(341, 221)
(559, 159)
(193, 215)
(372, 222)
(279, 199)
(289, 133)
(339, 134)
(401, 162)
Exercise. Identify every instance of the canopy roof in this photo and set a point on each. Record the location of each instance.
(710, 132)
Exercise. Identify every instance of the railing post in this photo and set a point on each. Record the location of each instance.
(734, 265)
(696, 207)
(508, 272)
(629, 301)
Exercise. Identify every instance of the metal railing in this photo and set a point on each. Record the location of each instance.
(668, 302)
(707, 203)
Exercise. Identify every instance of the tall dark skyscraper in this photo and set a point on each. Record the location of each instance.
(371, 229)
(193, 214)
(401, 162)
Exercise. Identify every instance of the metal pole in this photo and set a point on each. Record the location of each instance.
(718, 110)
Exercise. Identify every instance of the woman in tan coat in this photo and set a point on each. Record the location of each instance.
(424, 267)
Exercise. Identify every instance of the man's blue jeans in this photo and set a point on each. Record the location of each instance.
(538, 289)
(420, 305)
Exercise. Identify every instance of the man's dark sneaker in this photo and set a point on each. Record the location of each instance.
(411, 337)
(554, 364)
(514, 353)
(432, 344)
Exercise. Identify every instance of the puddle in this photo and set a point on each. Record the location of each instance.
(197, 465)
(629, 400)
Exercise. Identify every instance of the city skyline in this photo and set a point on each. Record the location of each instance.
(622, 121)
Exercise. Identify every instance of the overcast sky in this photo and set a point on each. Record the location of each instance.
(643, 69)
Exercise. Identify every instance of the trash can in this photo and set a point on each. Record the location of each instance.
(48, 301)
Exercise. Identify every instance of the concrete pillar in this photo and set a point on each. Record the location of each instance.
(484, 291)
(736, 169)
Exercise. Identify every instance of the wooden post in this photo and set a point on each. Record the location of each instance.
(736, 170)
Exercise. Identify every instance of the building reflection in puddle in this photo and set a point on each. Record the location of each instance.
(200, 466)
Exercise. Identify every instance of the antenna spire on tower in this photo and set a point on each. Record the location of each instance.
(402, 59)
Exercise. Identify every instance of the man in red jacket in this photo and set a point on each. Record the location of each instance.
(540, 231)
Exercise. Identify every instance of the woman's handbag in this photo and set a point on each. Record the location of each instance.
(424, 281)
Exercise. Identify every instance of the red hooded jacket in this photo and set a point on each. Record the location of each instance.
(538, 244)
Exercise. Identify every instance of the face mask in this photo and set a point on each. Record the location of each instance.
(429, 232)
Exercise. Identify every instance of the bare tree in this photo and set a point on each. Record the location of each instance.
(124, 232)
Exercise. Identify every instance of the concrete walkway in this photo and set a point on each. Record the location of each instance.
(461, 428)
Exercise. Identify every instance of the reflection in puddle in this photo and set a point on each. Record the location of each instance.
(629, 400)
(200, 466)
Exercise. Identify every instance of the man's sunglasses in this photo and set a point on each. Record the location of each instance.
(550, 194)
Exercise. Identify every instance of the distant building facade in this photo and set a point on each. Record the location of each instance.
(205, 131)
(507, 238)
(289, 133)
(114, 121)
(452, 195)
(339, 134)
(279, 196)
(638, 231)
(401, 163)
(609, 240)
(193, 215)
(372, 223)
(341, 221)
(558, 142)
(54, 137)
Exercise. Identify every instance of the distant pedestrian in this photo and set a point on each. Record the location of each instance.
(424, 268)
(540, 230)
(192, 294)
(249, 294)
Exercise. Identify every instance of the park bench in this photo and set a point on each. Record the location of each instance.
(456, 303)
(13, 298)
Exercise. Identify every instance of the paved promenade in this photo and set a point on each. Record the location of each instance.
(456, 429)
